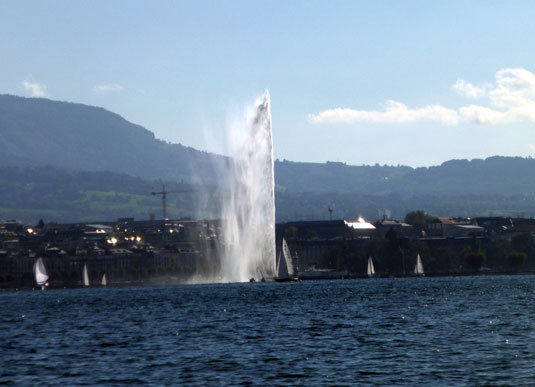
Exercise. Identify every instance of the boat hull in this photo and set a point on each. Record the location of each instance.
(286, 279)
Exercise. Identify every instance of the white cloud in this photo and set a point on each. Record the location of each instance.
(483, 115)
(514, 87)
(393, 112)
(468, 89)
(35, 89)
(107, 89)
(511, 99)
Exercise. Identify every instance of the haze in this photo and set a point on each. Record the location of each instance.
(412, 82)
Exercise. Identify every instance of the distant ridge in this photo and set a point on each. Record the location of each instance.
(42, 132)
(38, 131)
(495, 175)
(69, 138)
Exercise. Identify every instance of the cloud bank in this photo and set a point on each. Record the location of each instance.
(35, 89)
(469, 90)
(509, 99)
(393, 113)
(107, 89)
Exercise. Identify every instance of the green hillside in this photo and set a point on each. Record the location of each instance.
(54, 194)
(59, 195)
(65, 162)
(38, 131)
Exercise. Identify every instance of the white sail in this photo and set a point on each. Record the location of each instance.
(39, 271)
(288, 258)
(86, 276)
(285, 267)
(419, 267)
(282, 270)
(371, 268)
(104, 282)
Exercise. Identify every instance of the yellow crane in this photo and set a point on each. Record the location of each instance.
(164, 193)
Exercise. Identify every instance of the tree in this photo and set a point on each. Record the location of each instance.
(419, 219)
(291, 232)
(516, 259)
(496, 253)
(391, 235)
(443, 260)
(475, 260)
(525, 243)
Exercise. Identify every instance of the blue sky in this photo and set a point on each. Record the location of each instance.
(388, 82)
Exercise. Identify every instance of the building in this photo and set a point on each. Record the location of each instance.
(401, 229)
(453, 228)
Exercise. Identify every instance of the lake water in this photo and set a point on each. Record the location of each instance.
(405, 331)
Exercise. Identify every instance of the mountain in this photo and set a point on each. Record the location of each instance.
(67, 161)
(53, 194)
(495, 175)
(60, 195)
(38, 131)
(496, 186)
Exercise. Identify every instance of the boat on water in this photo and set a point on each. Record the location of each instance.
(104, 281)
(285, 266)
(419, 267)
(40, 274)
(85, 276)
(371, 269)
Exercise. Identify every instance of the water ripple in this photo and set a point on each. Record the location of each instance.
(405, 331)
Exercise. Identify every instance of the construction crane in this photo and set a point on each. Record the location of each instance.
(164, 197)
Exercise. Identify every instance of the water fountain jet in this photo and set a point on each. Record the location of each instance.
(248, 211)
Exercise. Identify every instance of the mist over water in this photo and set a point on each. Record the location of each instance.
(248, 213)
(247, 245)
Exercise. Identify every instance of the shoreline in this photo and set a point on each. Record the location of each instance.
(11, 286)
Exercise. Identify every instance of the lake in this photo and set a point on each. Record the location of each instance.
(403, 331)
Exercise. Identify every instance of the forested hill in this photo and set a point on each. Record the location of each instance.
(73, 138)
(59, 195)
(38, 132)
(492, 176)
(41, 132)
(496, 186)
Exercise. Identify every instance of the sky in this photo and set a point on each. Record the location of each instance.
(362, 82)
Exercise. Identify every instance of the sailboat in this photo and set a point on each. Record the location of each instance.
(285, 267)
(104, 282)
(39, 272)
(419, 267)
(85, 276)
(371, 268)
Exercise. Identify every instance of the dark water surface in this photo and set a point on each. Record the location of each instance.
(408, 331)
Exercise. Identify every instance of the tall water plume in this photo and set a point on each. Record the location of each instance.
(248, 210)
